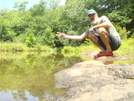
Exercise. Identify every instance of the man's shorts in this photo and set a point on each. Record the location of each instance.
(115, 43)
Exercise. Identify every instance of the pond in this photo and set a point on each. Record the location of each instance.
(30, 76)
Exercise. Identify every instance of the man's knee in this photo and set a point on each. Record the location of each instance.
(91, 35)
(102, 31)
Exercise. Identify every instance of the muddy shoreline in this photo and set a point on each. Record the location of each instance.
(96, 81)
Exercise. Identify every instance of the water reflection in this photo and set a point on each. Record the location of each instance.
(30, 77)
(115, 59)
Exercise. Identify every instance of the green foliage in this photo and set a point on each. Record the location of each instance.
(67, 42)
(30, 40)
(47, 18)
(75, 14)
(45, 48)
(20, 5)
(120, 18)
(124, 34)
(12, 47)
(69, 51)
(48, 37)
(127, 45)
(88, 42)
(52, 4)
(38, 9)
(6, 34)
(19, 47)
(130, 42)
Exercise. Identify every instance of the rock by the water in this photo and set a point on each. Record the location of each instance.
(94, 81)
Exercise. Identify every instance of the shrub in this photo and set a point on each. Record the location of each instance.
(70, 51)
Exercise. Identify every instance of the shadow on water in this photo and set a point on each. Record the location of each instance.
(30, 77)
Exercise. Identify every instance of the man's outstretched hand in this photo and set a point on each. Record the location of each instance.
(60, 35)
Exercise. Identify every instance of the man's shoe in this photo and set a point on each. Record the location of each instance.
(104, 53)
(97, 55)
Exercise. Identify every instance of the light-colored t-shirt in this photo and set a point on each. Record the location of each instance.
(111, 29)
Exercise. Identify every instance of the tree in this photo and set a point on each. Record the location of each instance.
(52, 4)
(20, 5)
(48, 17)
(38, 9)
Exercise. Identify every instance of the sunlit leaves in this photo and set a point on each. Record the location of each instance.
(48, 37)
(15, 24)
(20, 5)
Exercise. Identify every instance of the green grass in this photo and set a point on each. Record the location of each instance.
(127, 47)
(12, 47)
(15, 47)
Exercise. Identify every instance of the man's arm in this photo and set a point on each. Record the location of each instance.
(75, 37)
(105, 24)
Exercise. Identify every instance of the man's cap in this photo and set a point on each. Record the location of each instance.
(91, 11)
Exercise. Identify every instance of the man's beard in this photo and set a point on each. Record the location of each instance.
(94, 22)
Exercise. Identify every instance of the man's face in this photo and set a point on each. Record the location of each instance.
(91, 17)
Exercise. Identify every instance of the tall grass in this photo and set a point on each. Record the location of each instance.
(127, 46)
(19, 47)
(68, 51)
(13, 47)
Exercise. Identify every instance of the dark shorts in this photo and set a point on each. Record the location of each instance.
(114, 42)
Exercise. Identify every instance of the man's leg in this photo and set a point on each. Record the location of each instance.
(105, 39)
(94, 40)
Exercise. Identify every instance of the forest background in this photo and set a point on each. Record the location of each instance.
(37, 26)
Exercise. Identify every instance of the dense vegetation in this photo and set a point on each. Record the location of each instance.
(39, 24)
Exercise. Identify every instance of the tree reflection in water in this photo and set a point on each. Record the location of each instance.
(32, 75)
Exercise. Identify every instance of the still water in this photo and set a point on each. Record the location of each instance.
(30, 76)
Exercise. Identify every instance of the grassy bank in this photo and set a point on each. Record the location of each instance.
(127, 47)
(19, 47)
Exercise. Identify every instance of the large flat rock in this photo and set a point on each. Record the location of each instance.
(95, 81)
